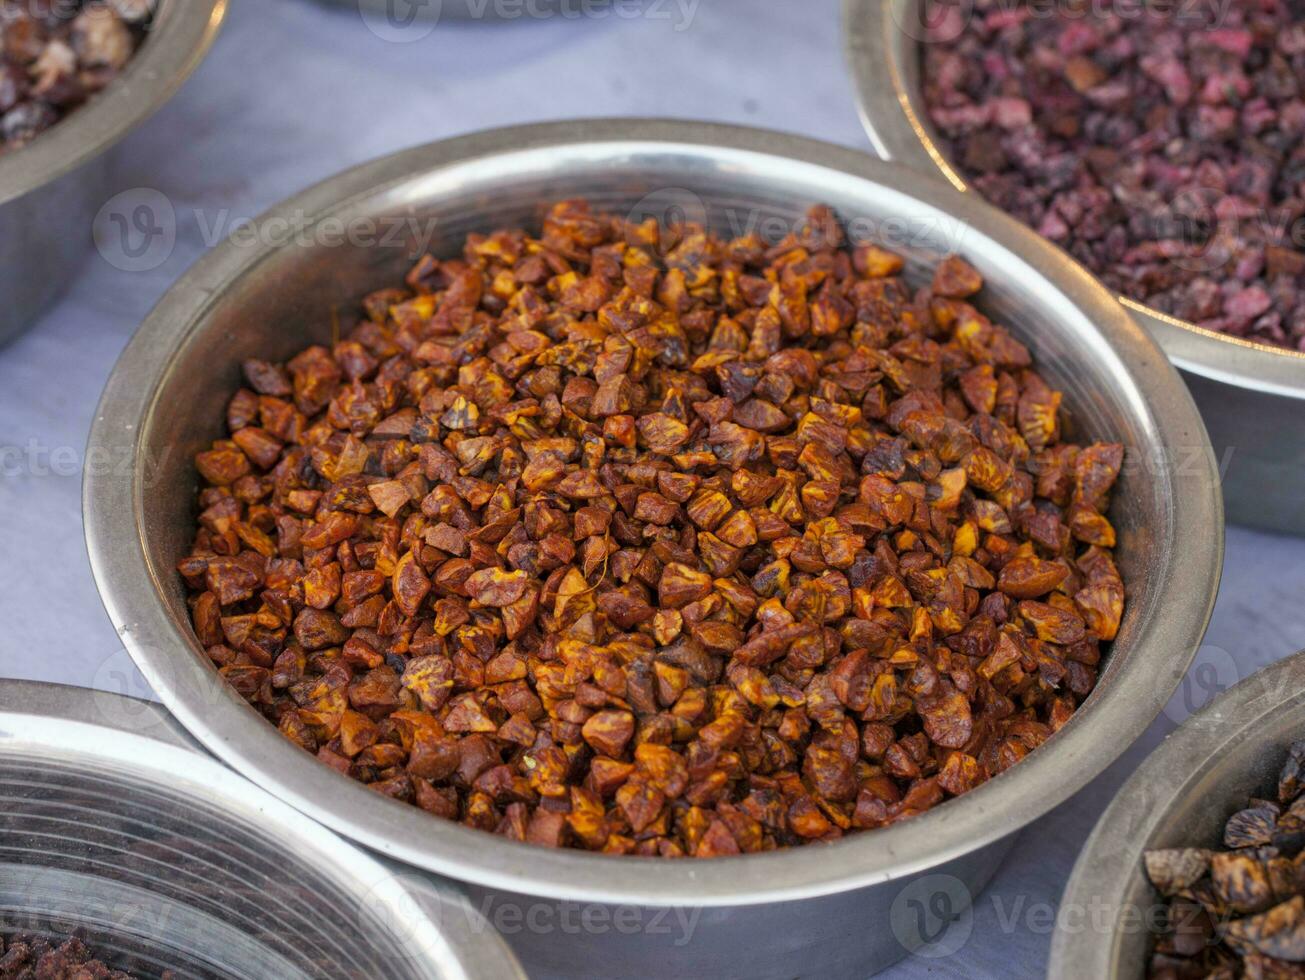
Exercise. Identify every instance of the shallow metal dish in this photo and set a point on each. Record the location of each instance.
(1181, 796)
(1251, 396)
(114, 823)
(780, 914)
(51, 190)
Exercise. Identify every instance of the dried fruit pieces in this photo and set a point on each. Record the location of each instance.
(1160, 145)
(45, 957)
(56, 56)
(1238, 912)
(639, 540)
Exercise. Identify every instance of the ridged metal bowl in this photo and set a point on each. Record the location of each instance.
(117, 828)
(1181, 796)
(781, 914)
(51, 189)
(1252, 396)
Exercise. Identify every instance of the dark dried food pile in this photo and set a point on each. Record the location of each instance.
(633, 539)
(1163, 144)
(27, 957)
(1240, 911)
(56, 54)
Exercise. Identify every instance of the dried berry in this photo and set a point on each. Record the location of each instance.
(658, 545)
(45, 957)
(1162, 147)
(56, 57)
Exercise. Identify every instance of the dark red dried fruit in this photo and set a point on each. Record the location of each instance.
(54, 57)
(1162, 146)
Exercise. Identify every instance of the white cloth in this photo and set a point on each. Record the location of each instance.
(294, 92)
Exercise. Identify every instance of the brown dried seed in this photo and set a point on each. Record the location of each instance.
(1052, 624)
(1029, 578)
(1251, 827)
(390, 496)
(660, 544)
(1173, 869)
(663, 433)
(495, 587)
(1241, 881)
(411, 585)
(956, 279)
(609, 731)
(679, 585)
(223, 465)
(1278, 932)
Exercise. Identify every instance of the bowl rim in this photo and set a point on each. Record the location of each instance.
(894, 118)
(1111, 858)
(93, 726)
(114, 506)
(177, 41)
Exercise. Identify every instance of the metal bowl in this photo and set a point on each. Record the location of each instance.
(116, 827)
(776, 914)
(1252, 396)
(1181, 796)
(51, 190)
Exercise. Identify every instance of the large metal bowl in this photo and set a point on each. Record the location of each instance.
(777, 914)
(51, 190)
(116, 826)
(1251, 396)
(1181, 796)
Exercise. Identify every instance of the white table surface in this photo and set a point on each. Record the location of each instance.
(293, 93)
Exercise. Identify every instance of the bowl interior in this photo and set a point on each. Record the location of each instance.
(275, 291)
(309, 291)
(1182, 796)
(157, 869)
(1245, 766)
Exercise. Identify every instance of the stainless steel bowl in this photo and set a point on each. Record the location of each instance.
(778, 914)
(115, 825)
(51, 190)
(1251, 396)
(1181, 796)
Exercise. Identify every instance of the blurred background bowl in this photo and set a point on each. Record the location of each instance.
(803, 911)
(1181, 796)
(52, 189)
(116, 827)
(1252, 396)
